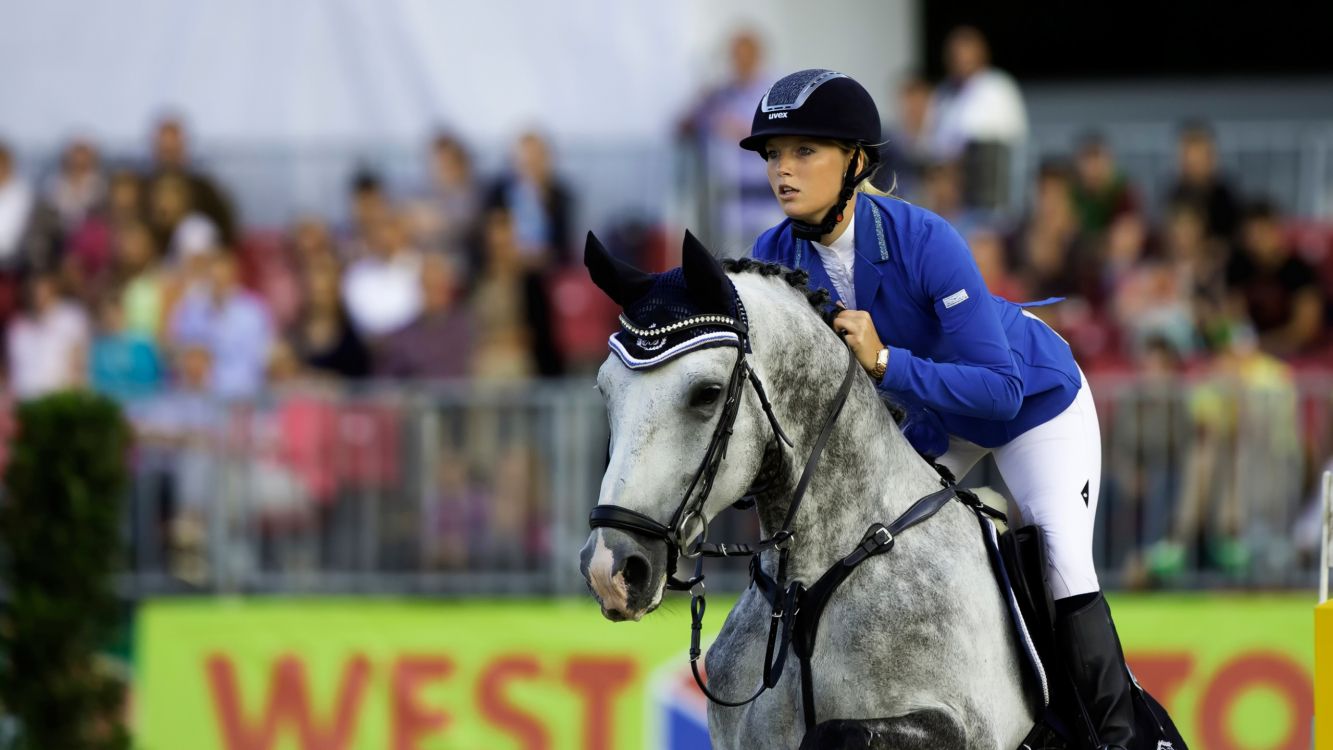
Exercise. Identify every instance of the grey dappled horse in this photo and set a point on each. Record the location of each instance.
(917, 644)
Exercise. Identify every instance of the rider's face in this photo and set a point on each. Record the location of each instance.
(805, 175)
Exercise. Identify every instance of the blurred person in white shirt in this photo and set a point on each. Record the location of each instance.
(47, 343)
(977, 117)
(382, 289)
(16, 206)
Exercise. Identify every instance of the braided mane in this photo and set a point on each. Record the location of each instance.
(819, 299)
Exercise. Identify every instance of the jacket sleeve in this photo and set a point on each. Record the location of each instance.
(985, 381)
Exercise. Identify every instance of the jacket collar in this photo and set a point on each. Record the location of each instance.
(871, 250)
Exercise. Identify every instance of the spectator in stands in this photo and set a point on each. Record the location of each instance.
(17, 204)
(1151, 297)
(1122, 249)
(510, 309)
(90, 263)
(232, 324)
(978, 118)
(47, 344)
(181, 436)
(171, 157)
(1101, 192)
(906, 150)
(444, 217)
(539, 202)
(1200, 182)
(1199, 267)
(178, 226)
(313, 243)
(323, 338)
(1050, 252)
(1243, 465)
(285, 368)
(942, 190)
(1274, 288)
(190, 275)
(142, 283)
(382, 290)
(123, 363)
(737, 193)
(1147, 437)
(370, 206)
(79, 187)
(988, 251)
(438, 344)
(126, 199)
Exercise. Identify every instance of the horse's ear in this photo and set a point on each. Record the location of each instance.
(623, 283)
(704, 276)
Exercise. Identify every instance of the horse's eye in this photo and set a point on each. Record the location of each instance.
(706, 395)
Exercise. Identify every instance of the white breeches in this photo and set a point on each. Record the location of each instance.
(1053, 472)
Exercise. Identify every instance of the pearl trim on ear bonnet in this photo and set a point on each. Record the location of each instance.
(669, 314)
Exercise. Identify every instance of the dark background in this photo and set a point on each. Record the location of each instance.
(1067, 40)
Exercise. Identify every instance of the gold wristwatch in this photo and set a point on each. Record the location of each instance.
(881, 365)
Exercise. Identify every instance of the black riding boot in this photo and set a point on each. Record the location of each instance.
(1088, 643)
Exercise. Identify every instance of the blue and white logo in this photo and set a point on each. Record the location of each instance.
(678, 709)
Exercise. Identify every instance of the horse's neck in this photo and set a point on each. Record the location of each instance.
(868, 473)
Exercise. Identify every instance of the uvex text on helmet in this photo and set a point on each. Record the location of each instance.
(817, 103)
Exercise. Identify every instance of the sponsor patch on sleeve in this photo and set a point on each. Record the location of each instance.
(957, 298)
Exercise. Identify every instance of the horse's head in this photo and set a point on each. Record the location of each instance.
(666, 396)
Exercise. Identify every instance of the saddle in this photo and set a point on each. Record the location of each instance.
(1018, 558)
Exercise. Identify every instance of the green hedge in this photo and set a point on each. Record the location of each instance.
(60, 541)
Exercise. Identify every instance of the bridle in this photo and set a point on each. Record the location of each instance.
(691, 506)
(796, 609)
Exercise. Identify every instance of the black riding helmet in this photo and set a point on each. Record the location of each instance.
(822, 104)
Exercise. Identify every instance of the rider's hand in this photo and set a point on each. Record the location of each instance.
(860, 336)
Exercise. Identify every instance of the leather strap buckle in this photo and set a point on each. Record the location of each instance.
(883, 536)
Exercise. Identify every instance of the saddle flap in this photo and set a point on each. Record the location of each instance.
(1023, 552)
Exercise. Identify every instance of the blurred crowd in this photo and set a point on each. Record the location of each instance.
(130, 280)
(140, 280)
(231, 346)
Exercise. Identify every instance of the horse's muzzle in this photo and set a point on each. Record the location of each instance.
(625, 571)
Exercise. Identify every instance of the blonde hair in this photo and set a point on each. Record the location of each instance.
(867, 185)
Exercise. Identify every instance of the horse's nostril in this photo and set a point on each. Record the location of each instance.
(636, 572)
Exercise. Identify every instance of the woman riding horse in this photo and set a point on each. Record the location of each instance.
(976, 373)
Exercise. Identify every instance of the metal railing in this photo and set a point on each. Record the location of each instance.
(484, 489)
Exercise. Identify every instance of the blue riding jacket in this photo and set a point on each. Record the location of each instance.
(961, 361)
